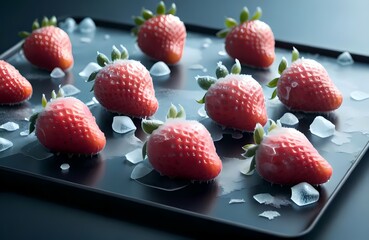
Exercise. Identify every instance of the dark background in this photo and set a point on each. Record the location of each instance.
(35, 213)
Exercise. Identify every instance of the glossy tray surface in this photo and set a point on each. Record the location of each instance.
(109, 172)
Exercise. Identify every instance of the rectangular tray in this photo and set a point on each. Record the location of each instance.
(202, 204)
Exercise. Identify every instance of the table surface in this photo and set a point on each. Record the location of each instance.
(32, 212)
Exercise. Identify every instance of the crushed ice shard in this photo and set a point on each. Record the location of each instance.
(5, 144)
(304, 194)
(88, 69)
(322, 127)
(270, 214)
(135, 156)
(57, 73)
(9, 126)
(236, 200)
(65, 167)
(87, 25)
(359, 95)
(70, 90)
(123, 124)
(345, 59)
(68, 25)
(159, 69)
(289, 119)
(268, 199)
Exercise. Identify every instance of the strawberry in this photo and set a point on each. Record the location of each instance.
(233, 100)
(181, 149)
(285, 156)
(66, 125)
(250, 41)
(48, 46)
(14, 88)
(124, 86)
(305, 86)
(161, 36)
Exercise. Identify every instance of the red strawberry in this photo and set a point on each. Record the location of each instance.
(124, 86)
(48, 47)
(162, 36)
(306, 86)
(234, 100)
(182, 149)
(285, 156)
(14, 88)
(66, 125)
(251, 41)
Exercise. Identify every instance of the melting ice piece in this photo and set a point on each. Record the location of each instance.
(339, 138)
(359, 95)
(322, 127)
(289, 119)
(135, 156)
(9, 126)
(234, 200)
(90, 68)
(266, 198)
(222, 53)
(202, 112)
(65, 167)
(85, 39)
(270, 214)
(141, 170)
(304, 194)
(196, 67)
(70, 90)
(123, 124)
(24, 133)
(87, 25)
(57, 73)
(159, 69)
(68, 25)
(5, 144)
(345, 59)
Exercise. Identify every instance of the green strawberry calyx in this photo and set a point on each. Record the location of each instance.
(230, 23)
(221, 71)
(33, 118)
(146, 14)
(149, 125)
(103, 60)
(36, 25)
(283, 65)
(250, 149)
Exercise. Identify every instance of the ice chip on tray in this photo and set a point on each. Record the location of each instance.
(70, 90)
(24, 133)
(57, 73)
(89, 68)
(289, 119)
(87, 25)
(123, 124)
(68, 25)
(159, 69)
(304, 194)
(135, 156)
(270, 214)
(268, 199)
(359, 95)
(141, 170)
(322, 127)
(345, 59)
(65, 167)
(5, 144)
(236, 200)
(9, 126)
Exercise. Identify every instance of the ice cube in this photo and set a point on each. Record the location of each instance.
(141, 170)
(304, 194)
(159, 69)
(87, 25)
(359, 95)
(202, 112)
(90, 68)
(270, 214)
(123, 124)
(135, 156)
(235, 200)
(345, 59)
(322, 127)
(24, 133)
(9, 126)
(5, 144)
(268, 199)
(57, 73)
(65, 167)
(68, 25)
(289, 119)
(70, 90)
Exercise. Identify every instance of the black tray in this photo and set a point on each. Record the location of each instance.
(200, 204)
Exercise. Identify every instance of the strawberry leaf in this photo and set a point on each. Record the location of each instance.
(124, 54)
(244, 16)
(35, 25)
(148, 126)
(160, 10)
(258, 133)
(172, 112)
(205, 81)
(274, 94)
(144, 150)
(202, 100)
(52, 21)
(236, 68)
(23, 34)
(273, 83)
(230, 22)
(102, 59)
(221, 70)
(43, 100)
(115, 54)
(223, 33)
(138, 20)
(282, 65)
(257, 14)
(181, 113)
(146, 14)
(92, 76)
(250, 150)
(173, 9)
(252, 166)
(32, 122)
(45, 22)
(295, 54)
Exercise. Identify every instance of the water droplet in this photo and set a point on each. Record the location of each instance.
(9, 126)
(123, 124)
(304, 194)
(322, 127)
